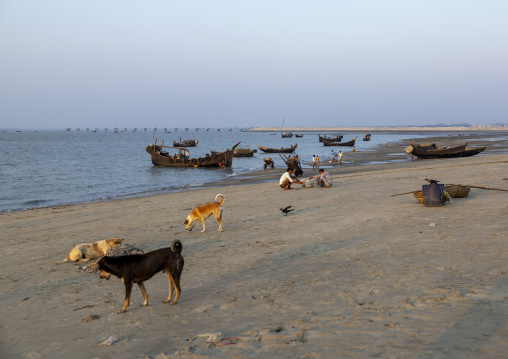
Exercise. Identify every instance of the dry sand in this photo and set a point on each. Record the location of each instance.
(352, 272)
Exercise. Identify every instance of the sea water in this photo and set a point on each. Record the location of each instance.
(40, 168)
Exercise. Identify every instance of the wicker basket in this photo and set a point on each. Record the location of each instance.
(457, 190)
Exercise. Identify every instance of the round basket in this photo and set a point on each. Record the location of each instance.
(457, 190)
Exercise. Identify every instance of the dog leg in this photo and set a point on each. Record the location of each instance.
(143, 291)
(128, 289)
(218, 217)
(193, 224)
(171, 288)
(176, 281)
(202, 221)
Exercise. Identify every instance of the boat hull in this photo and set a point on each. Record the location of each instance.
(278, 150)
(249, 153)
(427, 152)
(433, 151)
(348, 143)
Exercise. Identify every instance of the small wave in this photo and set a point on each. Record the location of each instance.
(34, 202)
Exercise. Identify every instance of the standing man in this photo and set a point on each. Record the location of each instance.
(287, 179)
(317, 161)
(340, 158)
(313, 162)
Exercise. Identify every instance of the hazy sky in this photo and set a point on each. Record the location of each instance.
(121, 63)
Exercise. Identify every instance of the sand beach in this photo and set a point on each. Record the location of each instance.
(351, 272)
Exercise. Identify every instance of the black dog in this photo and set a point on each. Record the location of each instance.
(137, 268)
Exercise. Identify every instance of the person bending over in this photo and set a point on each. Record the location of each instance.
(287, 179)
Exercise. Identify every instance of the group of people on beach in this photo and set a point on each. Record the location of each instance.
(322, 179)
(336, 157)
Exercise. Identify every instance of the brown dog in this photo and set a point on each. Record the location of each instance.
(201, 213)
(86, 251)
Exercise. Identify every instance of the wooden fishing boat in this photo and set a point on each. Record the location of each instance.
(366, 137)
(244, 152)
(286, 135)
(348, 143)
(430, 151)
(160, 157)
(185, 143)
(337, 138)
(278, 150)
(297, 135)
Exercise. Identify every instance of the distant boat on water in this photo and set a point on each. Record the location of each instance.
(185, 143)
(348, 143)
(278, 150)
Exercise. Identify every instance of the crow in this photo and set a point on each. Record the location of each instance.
(286, 210)
(431, 181)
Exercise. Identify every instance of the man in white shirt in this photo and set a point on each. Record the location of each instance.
(287, 179)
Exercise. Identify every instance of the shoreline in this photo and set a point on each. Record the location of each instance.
(390, 155)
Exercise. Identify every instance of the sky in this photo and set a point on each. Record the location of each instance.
(123, 63)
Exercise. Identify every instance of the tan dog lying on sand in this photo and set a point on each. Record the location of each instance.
(86, 251)
(201, 213)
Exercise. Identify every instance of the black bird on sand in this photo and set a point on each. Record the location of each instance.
(431, 181)
(286, 210)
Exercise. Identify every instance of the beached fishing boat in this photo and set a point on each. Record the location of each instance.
(348, 143)
(278, 150)
(431, 151)
(161, 157)
(185, 143)
(337, 138)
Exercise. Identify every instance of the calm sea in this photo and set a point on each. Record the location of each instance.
(40, 168)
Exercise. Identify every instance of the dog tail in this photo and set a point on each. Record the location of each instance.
(221, 202)
(177, 246)
(64, 261)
